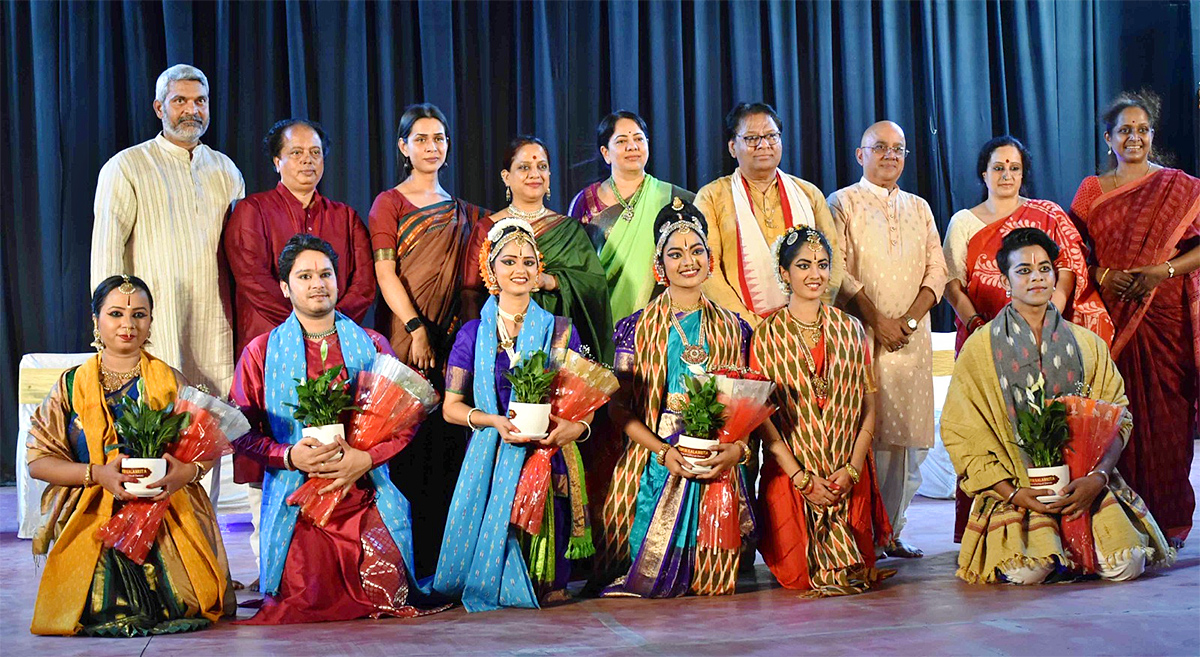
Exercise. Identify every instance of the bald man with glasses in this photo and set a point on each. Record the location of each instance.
(895, 273)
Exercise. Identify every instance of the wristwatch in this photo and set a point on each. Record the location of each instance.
(413, 324)
(910, 323)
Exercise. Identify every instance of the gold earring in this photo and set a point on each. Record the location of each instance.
(96, 343)
(507, 194)
(547, 191)
(147, 338)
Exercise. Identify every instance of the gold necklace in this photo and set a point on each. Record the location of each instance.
(322, 335)
(693, 354)
(527, 216)
(113, 381)
(686, 309)
(518, 318)
(810, 330)
(820, 384)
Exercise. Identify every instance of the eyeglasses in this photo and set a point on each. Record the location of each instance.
(883, 149)
(752, 141)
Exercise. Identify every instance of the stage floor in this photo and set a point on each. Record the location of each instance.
(921, 611)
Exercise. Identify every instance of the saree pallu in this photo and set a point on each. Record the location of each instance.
(91, 589)
(985, 285)
(626, 247)
(824, 550)
(434, 249)
(582, 294)
(433, 260)
(977, 430)
(1157, 345)
(649, 362)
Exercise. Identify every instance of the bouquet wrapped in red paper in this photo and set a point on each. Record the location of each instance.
(1093, 426)
(580, 387)
(392, 397)
(746, 396)
(207, 435)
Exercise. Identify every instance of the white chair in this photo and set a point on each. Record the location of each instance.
(38, 374)
(938, 479)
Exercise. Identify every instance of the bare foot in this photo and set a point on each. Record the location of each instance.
(899, 548)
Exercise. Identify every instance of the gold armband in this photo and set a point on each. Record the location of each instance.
(384, 254)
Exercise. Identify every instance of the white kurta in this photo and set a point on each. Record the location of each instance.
(159, 213)
(892, 250)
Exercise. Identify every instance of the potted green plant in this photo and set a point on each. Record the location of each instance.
(319, 405)
(143, 434)
(529, 408)
(702, 418)
(1042, 435)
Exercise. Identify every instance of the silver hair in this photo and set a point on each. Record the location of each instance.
(174, 74)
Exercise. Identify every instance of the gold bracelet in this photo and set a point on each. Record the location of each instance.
(1101, 281)
(853, 472)
(1170, 270)
(87, 476)
(745, 452)
(661, 457)
(804, 482)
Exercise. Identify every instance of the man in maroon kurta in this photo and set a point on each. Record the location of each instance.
(262, 223)
(350, 567)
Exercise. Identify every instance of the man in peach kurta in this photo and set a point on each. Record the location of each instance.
(895, 273)
(748, 210)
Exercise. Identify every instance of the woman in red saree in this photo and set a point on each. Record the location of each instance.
(976, 290)
(822, 515)
(1143, 221)
(421, 239)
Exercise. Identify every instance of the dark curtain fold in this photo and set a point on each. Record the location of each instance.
(79, 83)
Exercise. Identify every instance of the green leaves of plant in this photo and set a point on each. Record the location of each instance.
(1042, 429)
(322, 400)
(145, 432)
(702, 415)
(531, 380)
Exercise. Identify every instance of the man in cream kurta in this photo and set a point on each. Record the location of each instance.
(159, 212)
(895, 273)
(749, 210)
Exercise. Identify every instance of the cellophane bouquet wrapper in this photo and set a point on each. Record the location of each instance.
(212, 428)
(394, 398)
(1093, 426)
(746, 395)
(579, 389)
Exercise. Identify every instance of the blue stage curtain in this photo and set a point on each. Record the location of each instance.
(78, 83)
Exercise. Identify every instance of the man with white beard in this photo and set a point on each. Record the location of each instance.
(159, 211)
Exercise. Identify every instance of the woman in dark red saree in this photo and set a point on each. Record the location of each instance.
(1144, 223)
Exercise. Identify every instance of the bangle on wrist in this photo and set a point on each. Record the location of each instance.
(853, 472)
(661, 456)
(470, 426)
(1100, 472)
(287, 458)
(87, 476)
(1013, 494)
(745, 452)
(1170, 270)
(1101, 281)
(199, 474)
(587, 429)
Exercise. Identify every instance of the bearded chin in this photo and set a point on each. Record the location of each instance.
(184, 132)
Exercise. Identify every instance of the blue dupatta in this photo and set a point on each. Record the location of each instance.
(481, 559)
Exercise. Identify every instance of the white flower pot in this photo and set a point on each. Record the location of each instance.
(696, 449)
(530, 419)
(327, 434)
(1055, 478)
(147, 471)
